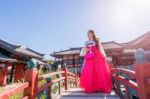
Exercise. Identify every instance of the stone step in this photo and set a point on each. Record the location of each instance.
(77, 93)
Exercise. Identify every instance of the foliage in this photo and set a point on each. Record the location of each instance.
(55, 89)
(43, 96)
(55, 65)
(40, 83)
(1, 89)
(17, 95)
(43, 72)
(50, 61)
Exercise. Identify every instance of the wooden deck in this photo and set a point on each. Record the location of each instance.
(77, 93)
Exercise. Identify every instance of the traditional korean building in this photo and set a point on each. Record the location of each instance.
(117, 53)
(74, 61)
(13, 60)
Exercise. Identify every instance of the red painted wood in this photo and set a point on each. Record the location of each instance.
(127, 83)
(25, 97)
(57, 80)
(147, 80)
(132, 84)
(4, 76)
(20, 87)
(66, 79)
(31, 76)
(111, 66)
(125, 71)
(19, 72)
(31, 86)
(50, 74)
(142, 73)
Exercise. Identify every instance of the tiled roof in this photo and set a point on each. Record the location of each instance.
(20, 50)
(111, 45)
(68, 52)
(140, 42)
(7, 46)
(72, 51)
(27, 51)
(40, 62)
(4, 58)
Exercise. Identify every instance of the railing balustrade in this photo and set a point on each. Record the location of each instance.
(132, 84)
(127, 84)
(33, 90)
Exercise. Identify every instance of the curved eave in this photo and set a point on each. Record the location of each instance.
(8, 60)
(61, 55)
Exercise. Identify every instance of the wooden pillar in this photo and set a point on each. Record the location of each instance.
(2, 67)
(62, 61)
(19, 72)
(1, 75)
(66, 79)
(143, 80)
(12, 73)
(74, 64)
(4, 76)
(76, 78)
(31, 76)
(111, 66)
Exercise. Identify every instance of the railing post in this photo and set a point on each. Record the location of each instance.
(66, 79)
(76, 78)
(59, 87)
(31, 76)
(50, 90)
(143, 80)
(111, 66)
(49, 80)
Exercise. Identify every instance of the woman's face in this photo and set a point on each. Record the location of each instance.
(90, 36)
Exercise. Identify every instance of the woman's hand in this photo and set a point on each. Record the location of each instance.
(86, 49)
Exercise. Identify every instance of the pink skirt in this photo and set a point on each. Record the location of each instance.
(95, 75)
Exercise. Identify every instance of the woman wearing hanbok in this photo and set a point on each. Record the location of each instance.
(95, 74)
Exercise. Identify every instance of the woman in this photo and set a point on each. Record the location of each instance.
(95, 75)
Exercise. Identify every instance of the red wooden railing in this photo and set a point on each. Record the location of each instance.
(132, 84)
(126, 83)
(67, 75)
(10, 92)
(31, 88)
(124, 78)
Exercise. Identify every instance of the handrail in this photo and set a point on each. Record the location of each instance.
(71, 74)
(50, 74)
(41, 88)
(57, 80)
(67, 75)
(127, 82)
(127, 79)
(71, 78)
(31, 88)
(125, 71)
(5, 95)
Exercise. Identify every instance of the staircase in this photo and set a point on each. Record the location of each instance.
(77, 93)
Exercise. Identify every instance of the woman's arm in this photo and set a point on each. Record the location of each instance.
(84, 49)
(102, 49)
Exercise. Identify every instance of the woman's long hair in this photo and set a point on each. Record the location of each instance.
(95, 39)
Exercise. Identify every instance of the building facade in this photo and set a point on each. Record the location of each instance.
(120, 54)
(13, 61)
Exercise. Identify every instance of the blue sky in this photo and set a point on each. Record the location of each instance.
(52, 25)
